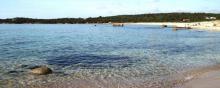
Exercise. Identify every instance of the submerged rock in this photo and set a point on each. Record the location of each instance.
(12, 72)
(41, 70)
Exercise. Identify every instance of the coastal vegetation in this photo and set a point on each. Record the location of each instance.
(155, 17)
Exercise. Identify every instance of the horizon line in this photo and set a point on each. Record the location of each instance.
(108, 16)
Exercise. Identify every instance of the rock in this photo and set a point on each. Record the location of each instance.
(41, 70)
(12, 72)
(163, 26)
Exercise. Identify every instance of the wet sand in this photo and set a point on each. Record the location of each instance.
(204, 78)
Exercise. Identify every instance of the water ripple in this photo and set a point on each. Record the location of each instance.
(89, 61)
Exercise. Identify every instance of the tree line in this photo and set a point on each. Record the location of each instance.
(156, 17)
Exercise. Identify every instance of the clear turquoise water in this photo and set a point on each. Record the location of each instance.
(133, 51)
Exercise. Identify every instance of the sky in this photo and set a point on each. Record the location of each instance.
(93, 8)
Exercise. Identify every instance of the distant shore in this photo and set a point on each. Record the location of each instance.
(206, 25)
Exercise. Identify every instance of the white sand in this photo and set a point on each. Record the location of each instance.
(208, 25)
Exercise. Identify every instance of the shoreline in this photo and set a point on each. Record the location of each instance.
(185, 79)
(206, 25)
(207, 80)
(208, 77)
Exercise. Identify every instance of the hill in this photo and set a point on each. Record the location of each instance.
(157, 17)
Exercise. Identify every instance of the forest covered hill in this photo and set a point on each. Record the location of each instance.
(156, 17)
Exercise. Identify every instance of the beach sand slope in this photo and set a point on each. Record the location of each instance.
(206, 80)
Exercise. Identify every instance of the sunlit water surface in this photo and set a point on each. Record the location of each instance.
(85, 50)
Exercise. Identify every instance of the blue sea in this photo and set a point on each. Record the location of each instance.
(85, 51)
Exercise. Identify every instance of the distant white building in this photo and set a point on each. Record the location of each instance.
(210, 18)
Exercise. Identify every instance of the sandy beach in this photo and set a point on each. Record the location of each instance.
(206, 78)
(206, 25)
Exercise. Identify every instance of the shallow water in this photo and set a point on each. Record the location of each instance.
(130, 52)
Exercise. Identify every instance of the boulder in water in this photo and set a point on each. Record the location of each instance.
(41, 70)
